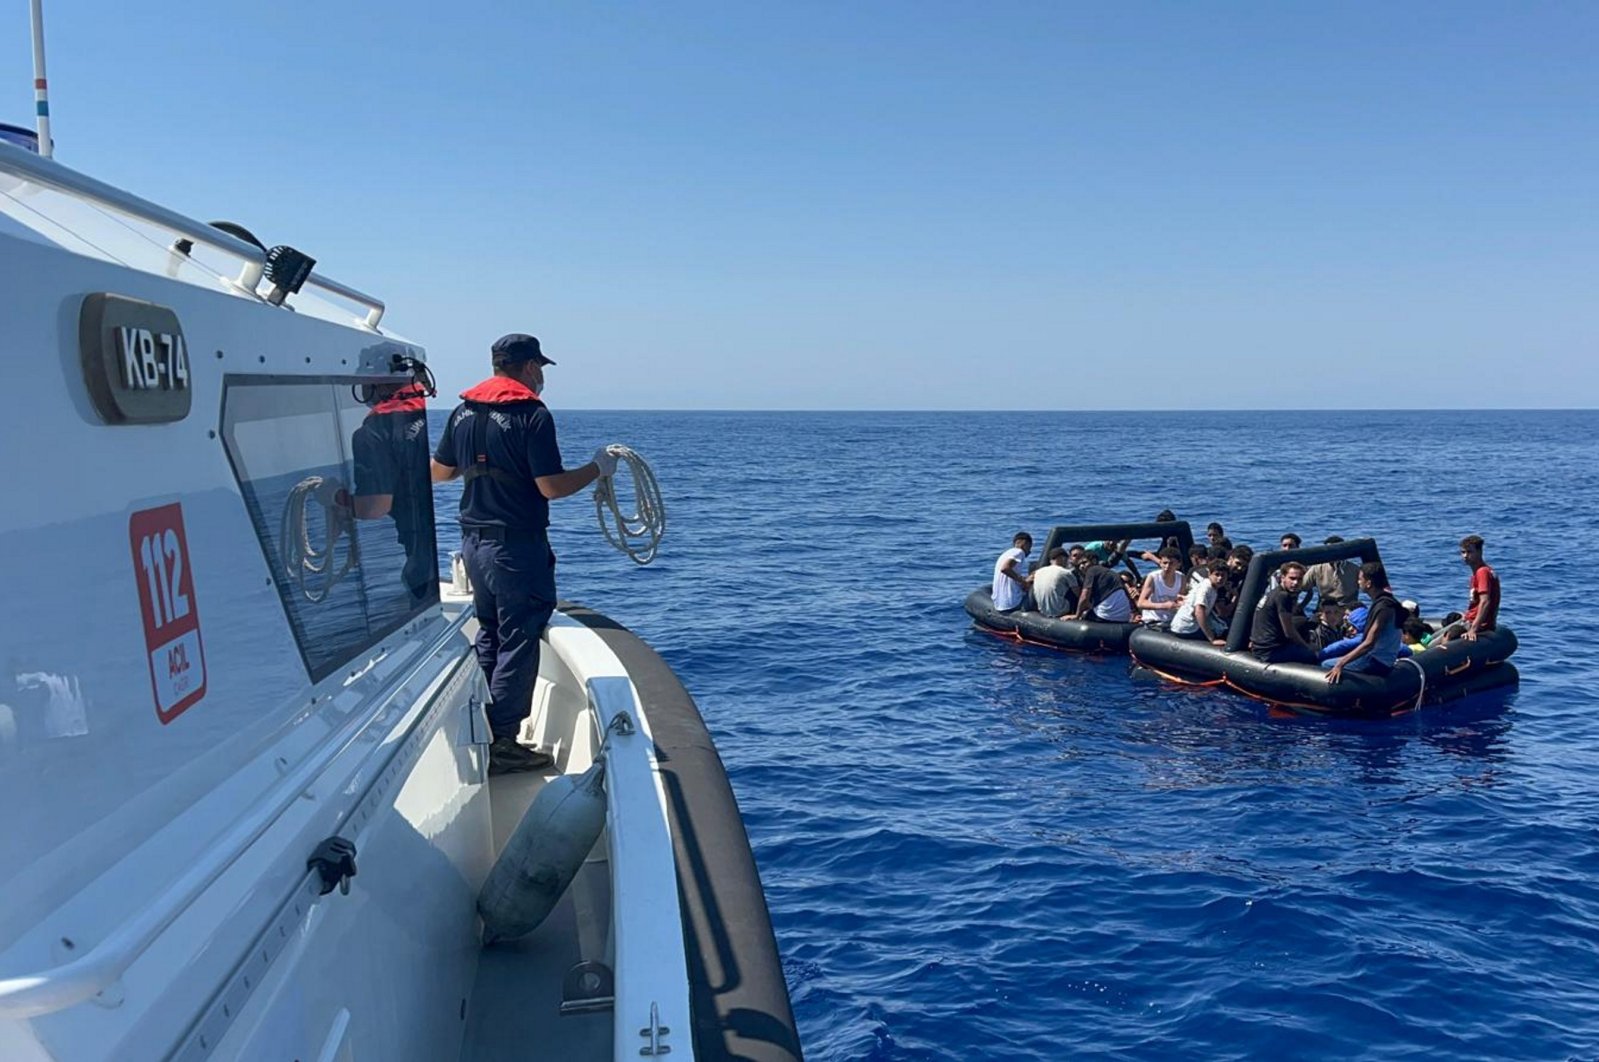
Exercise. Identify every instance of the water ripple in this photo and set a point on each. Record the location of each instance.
(977, 850)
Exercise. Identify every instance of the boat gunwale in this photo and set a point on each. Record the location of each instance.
(738, 994)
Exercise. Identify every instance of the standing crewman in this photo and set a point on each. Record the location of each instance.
(501, 441)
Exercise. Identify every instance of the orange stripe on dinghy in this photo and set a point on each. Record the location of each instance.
(1321, 709)
(1179, 681)
(1261, 697)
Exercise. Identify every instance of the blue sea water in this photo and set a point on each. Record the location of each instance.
(978, 850)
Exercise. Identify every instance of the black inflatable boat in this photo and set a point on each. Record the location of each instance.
(1083, 636)
(1433, 676)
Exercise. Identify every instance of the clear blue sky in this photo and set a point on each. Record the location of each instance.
(887, 205)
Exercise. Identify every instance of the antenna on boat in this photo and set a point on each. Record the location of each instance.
(41, 93)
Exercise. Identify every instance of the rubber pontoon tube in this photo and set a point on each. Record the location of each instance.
(1081, 636)
(1432, 676)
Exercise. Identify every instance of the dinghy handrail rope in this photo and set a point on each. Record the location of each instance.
(52, 174)
(637, 534)
(1422, 673)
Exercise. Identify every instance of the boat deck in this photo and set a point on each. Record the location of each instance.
(514, 1011)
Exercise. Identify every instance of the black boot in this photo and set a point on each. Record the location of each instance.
(508, 756)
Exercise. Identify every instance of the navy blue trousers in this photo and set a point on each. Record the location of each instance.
(513, 590)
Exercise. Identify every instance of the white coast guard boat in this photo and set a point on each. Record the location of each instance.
(242, 742)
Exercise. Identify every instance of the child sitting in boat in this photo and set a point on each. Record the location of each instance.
(1415, 634)
(1192, 618)
(1162, 592)
(1331, 626)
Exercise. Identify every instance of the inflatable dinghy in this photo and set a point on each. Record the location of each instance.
(1082, 636)
(1432, 676)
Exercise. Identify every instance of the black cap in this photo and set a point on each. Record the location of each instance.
(518, 347)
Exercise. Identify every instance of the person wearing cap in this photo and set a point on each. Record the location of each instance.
(388, 451)
(501, 441)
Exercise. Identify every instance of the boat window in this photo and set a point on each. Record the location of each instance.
(335, 477)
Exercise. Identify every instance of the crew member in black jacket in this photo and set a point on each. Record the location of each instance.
(501, 441)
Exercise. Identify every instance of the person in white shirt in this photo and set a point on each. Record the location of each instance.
(1010, 580)
(1162, 591)
(1055, 586)
(1193, 619)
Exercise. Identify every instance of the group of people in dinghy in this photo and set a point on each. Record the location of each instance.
(1308, 614)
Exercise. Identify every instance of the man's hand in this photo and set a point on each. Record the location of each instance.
(1336, 673)
(605, 461)
(1470, 635)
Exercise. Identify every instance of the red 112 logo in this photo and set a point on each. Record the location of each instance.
(166, 602)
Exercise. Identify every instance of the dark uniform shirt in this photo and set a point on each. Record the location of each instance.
(519, 442)
(390, 454)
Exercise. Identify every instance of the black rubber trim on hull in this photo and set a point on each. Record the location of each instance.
(1081, 636)
(740, 1003)
(1453, 671)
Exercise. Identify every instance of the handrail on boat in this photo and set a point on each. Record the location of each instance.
(60, 987)
(52, 174)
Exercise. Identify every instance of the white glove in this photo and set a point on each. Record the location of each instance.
(331, 493)
(605, 461)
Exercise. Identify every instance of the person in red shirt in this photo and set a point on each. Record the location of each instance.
(1483, 612)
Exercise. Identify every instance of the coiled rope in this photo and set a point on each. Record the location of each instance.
(638, 534)
(302, 559)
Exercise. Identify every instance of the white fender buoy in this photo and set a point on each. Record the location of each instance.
(543, 855)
